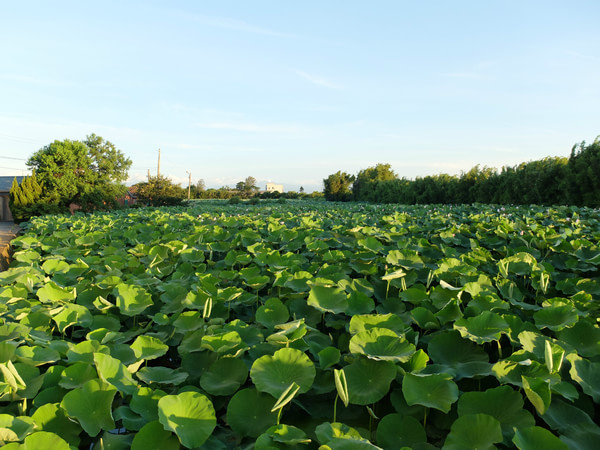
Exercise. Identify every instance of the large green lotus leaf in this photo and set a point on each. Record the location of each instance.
(224, 376)
(114, 372)
(329, 356)
(72, 314)
(36, 356)
(284, 434)
(76, 375)
(297, 282)
(224, 342)
(15, 428)
(190, 415)
(145, 402)
(53, 293)
(188, 321)
(369, 380)
(472, 431)
(396, 431)
(249, 412)
(328, 299)
(113, 441)
(568, 420)
(519, 264)
(50, 417)
(368, 321)
(274, 374)
(534, 438)
(555, 318)
(587, 374)
(359, 303)
(538, 392)
(327, 431)
(448, 347)
(432, 390)
(290, 332)
(161, 375)
(84, 351)
(52, 266)
(502, 403)
(91, 405)
(153, 436)
(45, 440)
(129, 418)
(148, 347)
(381, 344)
(485, 327)
(132, 299)
(424, 318)
(272, 313)
(584, 337)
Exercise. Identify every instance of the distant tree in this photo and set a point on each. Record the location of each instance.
(89, 173)
(336, 187)
(301, 190)
(250, 184)
(25, 199)
(200, 186)
(161, 191)
(364, 185)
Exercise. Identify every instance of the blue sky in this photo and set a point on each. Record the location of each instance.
(294, 91)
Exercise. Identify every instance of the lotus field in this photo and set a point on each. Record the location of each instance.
(303, 325)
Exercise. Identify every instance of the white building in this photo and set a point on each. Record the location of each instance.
(272, 187)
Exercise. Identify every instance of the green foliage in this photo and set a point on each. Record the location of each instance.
(354, 326)
(548, 181)
(160, 191)
(337, 187)
(26, 199)
(88, 173)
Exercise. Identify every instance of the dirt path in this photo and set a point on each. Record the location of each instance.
(8, 231)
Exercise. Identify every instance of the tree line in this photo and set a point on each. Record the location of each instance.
(549, 181)
(88, 175)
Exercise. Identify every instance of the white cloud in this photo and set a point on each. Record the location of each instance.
(319, 81)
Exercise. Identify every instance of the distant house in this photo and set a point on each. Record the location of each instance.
(5, 185)
(130, 196)
(272, 187)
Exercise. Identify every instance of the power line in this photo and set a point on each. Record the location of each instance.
(10, 157)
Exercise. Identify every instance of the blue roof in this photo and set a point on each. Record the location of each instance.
(6, 183)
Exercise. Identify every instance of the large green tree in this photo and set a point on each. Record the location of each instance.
(336, 187)
(364, 184)
(88, 173)
(161, 191)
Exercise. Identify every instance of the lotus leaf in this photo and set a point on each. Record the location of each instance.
(431, 390)
(249, 412)
(473, 431)
(272, 312)
(485, 327)
(395, 431)
(368, 380)
(51, 417)
(91, 405)
(532, 438)
(224, 376)
(115, 373)
(161, 375)
(328, 299)
(274, 374)
(381, 344)
(503, 403)
(132, 299)
(153, 436)
(148, 347)
(190, 415)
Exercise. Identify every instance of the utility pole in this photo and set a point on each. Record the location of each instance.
(189, 182)
(158, 169)
(148, 175)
